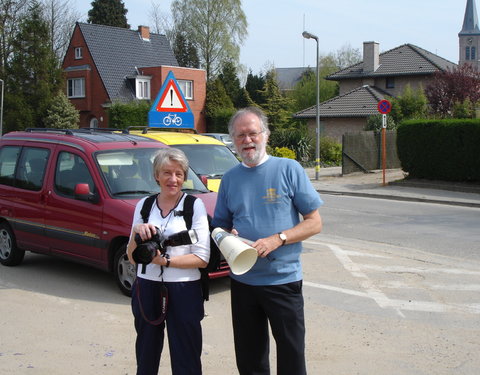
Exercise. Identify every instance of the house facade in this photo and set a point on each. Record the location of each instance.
(105, 65)
(361, 86)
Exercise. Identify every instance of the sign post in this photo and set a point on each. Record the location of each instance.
(384, 107)
(170, 109)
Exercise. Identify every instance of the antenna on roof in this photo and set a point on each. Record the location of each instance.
(303, 41)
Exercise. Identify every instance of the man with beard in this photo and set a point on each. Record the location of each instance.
(261, 200)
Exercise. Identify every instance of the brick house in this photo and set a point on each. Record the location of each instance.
(363, 85)
(105, 64)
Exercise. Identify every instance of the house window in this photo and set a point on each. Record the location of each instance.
(143, 89)
(76, 88)
(467, 53)
(186, 87)
(390, 83)
(78, 53)
(472, 53)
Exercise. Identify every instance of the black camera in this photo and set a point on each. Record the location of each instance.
(146, 250)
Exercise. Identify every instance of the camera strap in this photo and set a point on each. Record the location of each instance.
(163, 301)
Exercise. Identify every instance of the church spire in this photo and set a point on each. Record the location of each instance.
(469, 37)
(470, 21)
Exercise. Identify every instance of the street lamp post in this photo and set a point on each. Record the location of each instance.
(308, 35)
(1, 110)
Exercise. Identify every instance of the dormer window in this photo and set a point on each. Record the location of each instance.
(78, 53)
(142, 88)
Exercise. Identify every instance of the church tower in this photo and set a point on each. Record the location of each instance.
(469, 37)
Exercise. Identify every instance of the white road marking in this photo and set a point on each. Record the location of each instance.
(398, 304)
(373, 292)
(395, 284)
(402, 269)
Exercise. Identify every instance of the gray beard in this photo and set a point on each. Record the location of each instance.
(256, 158)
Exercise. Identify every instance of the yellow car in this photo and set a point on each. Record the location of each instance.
(207, 156)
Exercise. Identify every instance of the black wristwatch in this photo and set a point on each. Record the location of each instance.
(167, 257)
(283, 237)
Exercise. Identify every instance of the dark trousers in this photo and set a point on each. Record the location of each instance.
(184, 314)
(253, 307)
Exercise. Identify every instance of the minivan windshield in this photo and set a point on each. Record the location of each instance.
(129, 173)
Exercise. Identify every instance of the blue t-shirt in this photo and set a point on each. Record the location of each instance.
(262, 201)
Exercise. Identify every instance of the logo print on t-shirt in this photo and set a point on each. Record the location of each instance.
(272, 196)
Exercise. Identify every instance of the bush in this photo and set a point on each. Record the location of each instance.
(283, 152)
(123, 115)
(296, 140)
(330, 152)
(375, 123)
(218, 121)
(440, 149)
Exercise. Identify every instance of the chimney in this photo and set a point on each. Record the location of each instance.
(371, 59)
(144, 32)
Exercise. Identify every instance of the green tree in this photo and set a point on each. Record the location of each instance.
(465, 109)
(230, 81)
(10, 11)
(347, 56)
(61, 114)
(34, 75)
(276, 106)
(217, 98)
(61, 17)
(218, 107)
(109, 13)
(409, 105)
(304, 94)
(184, 51)
(254, 85)
(244, 99)
(216, 28)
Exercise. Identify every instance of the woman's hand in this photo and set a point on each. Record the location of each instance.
(145, 231)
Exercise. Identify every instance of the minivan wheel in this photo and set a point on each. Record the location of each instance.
(124, 271)
(10, 254)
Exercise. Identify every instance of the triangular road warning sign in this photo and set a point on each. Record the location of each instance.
(172, 99)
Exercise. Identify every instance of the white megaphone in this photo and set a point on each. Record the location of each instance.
(239, 255)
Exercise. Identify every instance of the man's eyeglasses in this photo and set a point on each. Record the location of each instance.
(252, 136)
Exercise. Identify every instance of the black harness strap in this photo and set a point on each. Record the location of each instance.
(145, 213)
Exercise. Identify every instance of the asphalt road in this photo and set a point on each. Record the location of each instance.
(372, 307)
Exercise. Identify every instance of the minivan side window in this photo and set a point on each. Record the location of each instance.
(31, 168)
(8, 163)
(70, 171)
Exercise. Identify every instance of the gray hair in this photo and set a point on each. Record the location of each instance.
(253, 110)
(170, 154)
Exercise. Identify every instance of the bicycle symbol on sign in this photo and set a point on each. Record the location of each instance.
(172, 119)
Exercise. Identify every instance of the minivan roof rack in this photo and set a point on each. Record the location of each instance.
(111, 130)
(51, 130)
(146, 129)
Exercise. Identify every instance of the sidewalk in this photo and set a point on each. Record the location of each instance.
(396, 187)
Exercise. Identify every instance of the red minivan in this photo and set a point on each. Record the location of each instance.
(72, 193)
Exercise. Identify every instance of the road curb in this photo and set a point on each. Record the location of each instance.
(400, 198)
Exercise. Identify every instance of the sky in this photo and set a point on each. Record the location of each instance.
(275, 27)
